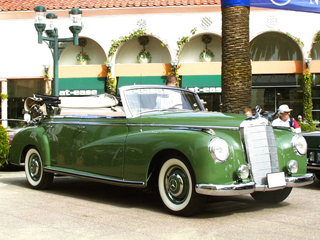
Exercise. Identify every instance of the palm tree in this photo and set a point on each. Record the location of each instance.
(236, 64)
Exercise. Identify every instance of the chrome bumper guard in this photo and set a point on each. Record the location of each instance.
(247, 188)
(225, 190)
(300, 181)
(290, 182)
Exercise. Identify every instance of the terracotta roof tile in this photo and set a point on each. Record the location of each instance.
(29, 5)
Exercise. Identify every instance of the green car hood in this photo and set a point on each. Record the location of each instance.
(191, 119)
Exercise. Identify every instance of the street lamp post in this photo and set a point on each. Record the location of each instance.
(57, 45)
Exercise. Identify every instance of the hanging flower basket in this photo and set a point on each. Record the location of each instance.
(82, 42)
(85, 62)
(143, 40)
(83, 58)
(206, 55)
(206, 39)
(144, 57)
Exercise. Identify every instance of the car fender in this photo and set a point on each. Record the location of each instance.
(141, 147)
(31, 136)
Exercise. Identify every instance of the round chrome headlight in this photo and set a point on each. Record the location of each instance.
(243, 172)
(299, 145)
(292, 166)
(219, 149)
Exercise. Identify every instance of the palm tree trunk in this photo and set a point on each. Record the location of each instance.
(236, 64)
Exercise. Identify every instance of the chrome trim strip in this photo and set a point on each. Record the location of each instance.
(86, 123)
(86, 117)
(17, 120)
(142, 125)
(225, 190)
(313, 167)
(184, 126)
(95, 177)
(311, 149)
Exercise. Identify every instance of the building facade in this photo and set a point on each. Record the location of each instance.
(281, 43)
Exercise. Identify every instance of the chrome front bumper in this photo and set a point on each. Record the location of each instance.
(300, 181)
(225, 190)
(247, 188)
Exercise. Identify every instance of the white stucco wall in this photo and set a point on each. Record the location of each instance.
(22, 56)
(299, 24)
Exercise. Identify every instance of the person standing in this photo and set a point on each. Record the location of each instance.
(171, 81)
(169, 98)
(285, 120)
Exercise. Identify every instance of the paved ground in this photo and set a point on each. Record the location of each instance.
(78, 209)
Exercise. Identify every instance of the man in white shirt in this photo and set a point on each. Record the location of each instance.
(284, 119)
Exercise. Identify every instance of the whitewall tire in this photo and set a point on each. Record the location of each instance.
(177, 188)
(36, 177)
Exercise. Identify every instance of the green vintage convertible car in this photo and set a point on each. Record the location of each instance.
(313, 155)
(159, 136)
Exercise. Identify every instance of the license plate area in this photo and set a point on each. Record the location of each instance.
(276, 180)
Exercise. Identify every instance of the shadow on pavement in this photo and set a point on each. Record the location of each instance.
(137, 198)
(11, 168)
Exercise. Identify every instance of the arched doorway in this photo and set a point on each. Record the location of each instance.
(280, 59)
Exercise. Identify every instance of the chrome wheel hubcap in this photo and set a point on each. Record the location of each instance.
(176, 184)
(34, 167)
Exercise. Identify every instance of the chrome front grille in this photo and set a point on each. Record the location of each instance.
(261, 151)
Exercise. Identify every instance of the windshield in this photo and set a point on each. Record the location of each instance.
(142, 100)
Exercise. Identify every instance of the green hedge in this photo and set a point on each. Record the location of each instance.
(306, 127)
(4, 145)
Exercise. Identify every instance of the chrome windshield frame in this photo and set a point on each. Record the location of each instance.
(125, 102)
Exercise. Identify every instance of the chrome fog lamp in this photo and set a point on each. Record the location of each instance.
(219, 149)
(299, 145)
(243, 172)
(292, 166)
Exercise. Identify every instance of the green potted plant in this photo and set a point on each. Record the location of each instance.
(206, 55)
(82, 57)
(144, 56)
